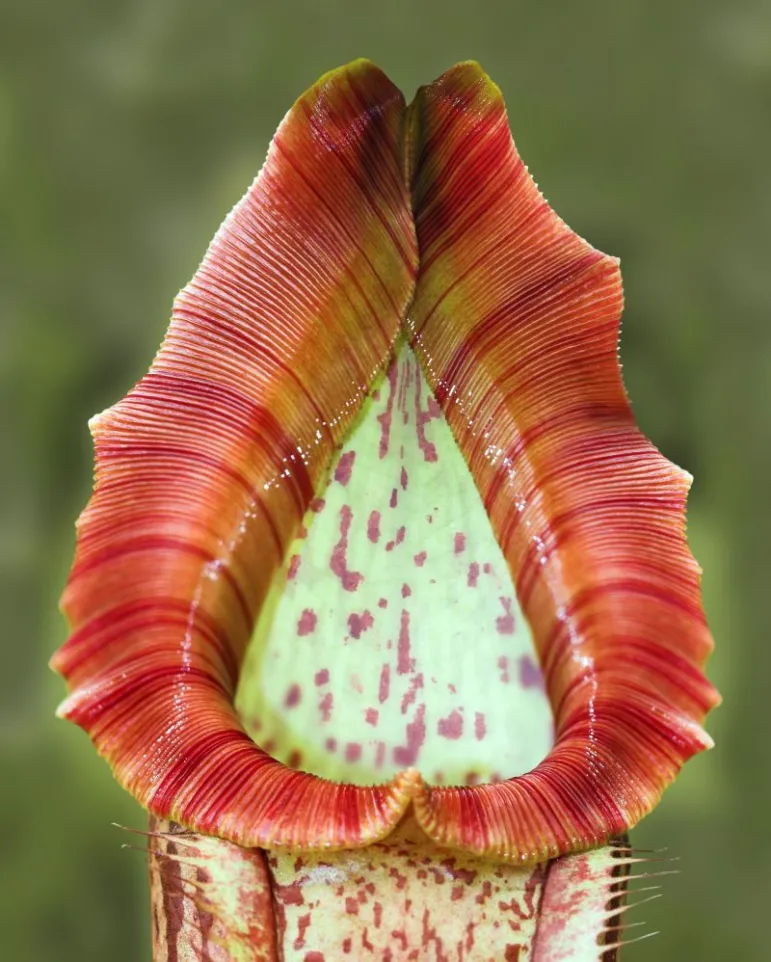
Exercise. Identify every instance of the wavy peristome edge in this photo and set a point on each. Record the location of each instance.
(206, 469)
(589, 515)
(323, 245)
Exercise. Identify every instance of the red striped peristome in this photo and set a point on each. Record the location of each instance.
(515, 322)
(205, 470)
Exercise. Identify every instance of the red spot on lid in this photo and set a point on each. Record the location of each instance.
(317, 505)
(406, 591)
(294, 567)
(503, 664)
(420, 558)
(373, 527)
(385, 418)
(421, 420)
(371, 716)
(405, 663)
(292, 696)
(529, 673)
(322, 676)
(398, 539)
(411, 694)
(459, 542)
(344, 468)
(452, 726)
(473, 574)
(331, 744)
(384, 686)
(326, 705)
(352, 751)
(480, 726)
(357, 623)
(403, 479)
(407, 755)
(504, 624)
(382, 603)
(307, 622)
(394, 499)
(350, 580)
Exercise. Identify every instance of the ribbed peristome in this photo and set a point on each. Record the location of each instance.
(371, 224)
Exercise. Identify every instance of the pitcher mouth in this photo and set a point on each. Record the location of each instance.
(372, 222)
(392, 637)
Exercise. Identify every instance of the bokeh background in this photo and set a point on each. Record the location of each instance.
(128, 129)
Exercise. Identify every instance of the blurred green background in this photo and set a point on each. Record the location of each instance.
(128, 130)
